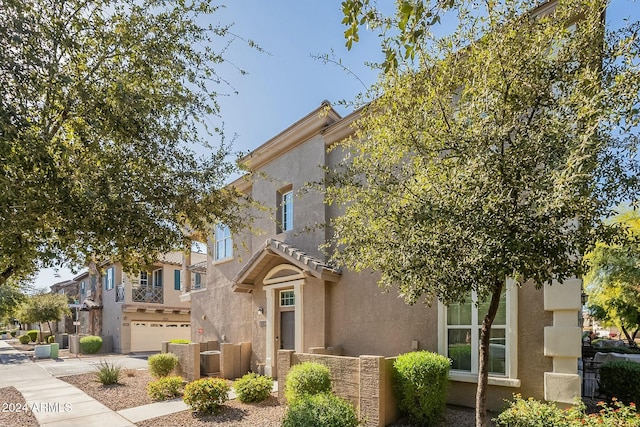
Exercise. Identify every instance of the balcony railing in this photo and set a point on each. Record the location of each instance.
(147, 294)
(120, 293)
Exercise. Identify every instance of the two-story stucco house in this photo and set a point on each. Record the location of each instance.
(71, 289)
(276, 291)
(140, 310)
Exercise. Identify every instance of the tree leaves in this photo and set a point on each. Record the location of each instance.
(102, 102)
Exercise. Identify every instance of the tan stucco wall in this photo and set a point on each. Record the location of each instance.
(378, 323)
(220, 313)
(353, 315)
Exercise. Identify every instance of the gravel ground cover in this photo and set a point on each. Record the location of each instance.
(128, 393)
(12, 413)
(131, 392)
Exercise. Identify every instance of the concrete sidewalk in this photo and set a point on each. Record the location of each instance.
(56, 403)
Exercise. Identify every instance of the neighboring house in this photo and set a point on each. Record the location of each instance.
(139, 310)
(276, 290)
(71, 289)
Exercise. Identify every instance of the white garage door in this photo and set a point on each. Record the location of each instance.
(148, 335)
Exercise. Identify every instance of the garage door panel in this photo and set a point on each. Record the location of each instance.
(149, 335)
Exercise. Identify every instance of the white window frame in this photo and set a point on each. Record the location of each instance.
(223, 247)
(196, 281)
(291, 296)
(157, 278)
(144, 279)
(287, 211)
(510, 378)
(109, 278)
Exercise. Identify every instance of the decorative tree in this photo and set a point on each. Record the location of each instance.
(613, 280)
(101, 102)
(491, 153)
(43, 308)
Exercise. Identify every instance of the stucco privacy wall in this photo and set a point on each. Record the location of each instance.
(188, 359)
(365, 381)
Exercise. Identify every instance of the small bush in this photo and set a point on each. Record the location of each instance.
(176, 341)
(620, 379)
(206, 395)
(108, 373)
(253, 388)
(322, 409)
(90, 344)
(532, 413)
(421, 380)
(51, 339)
(33, 335)
(130, 372)
(161, 365)
(13, 334)
(24, 339)
(306, 378)
(165, 388)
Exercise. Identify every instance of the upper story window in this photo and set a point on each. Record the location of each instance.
(157, 278)
(224, 243)
(196, 280)
(109, 278)
(285, 209)
(460, 335)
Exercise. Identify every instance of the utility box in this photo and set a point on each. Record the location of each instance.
(210, 362)
(54, 350)
(42, 351)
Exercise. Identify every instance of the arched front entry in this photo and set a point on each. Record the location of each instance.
(283, 285)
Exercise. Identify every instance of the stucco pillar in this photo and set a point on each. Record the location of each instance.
(562, 341)
(269, 362)
(372, 390)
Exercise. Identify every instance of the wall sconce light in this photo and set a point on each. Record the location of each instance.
(584, 298)
(204, 317)
(260, 311)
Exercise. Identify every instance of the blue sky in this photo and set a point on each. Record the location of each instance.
(287, 83)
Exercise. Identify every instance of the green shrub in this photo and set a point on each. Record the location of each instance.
(24, 339)
(421, 380)
(51, 339)
(90, 344)
(165, 388)
(620, 379)
(176, 341)
(206, 395)
(322, 409)
(108, 373)
(532, 413)
(13, 334)
(306, 378)
(33, 335)
(4, 332)
(161, 365)
(253, 388)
